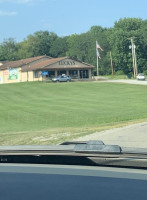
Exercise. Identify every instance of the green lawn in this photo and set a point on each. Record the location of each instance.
(44, 113)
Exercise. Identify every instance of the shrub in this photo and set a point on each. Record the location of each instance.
(145, 72)
(119, 73)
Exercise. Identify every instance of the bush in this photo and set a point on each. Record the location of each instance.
(145, 72)
(119, 73)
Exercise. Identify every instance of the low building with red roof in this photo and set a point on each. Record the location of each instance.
(43, 67)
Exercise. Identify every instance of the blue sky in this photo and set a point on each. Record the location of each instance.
(19, 18)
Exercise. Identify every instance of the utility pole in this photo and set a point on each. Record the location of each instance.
(135, 60)
(111, 63)
(132, 46)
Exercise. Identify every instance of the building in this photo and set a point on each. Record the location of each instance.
(43, 67)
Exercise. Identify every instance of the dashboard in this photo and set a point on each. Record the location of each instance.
(38, 181)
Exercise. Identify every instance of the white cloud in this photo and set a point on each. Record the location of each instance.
(15, 1)
(7, 13)
(21, 1)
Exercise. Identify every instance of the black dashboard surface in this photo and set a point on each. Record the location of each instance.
(25, 186)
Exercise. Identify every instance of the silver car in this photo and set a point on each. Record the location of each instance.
(141, 77)
(62, 78)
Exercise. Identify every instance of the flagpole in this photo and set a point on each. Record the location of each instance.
(98, 56)
(97, 73)
(97, 66)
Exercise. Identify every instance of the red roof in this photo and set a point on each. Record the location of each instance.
(42, 64)
(19, 63)
(47, 64)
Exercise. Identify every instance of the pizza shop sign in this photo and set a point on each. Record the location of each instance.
(66, 62)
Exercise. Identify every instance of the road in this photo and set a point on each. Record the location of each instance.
(129, 136)
(128, 81)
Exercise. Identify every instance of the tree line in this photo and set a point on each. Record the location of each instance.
(82, 47)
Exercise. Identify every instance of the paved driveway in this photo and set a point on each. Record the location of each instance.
(129, 81)
(129, 136)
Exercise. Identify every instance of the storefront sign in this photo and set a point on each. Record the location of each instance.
(13, 74)
(66, 62)
(6, 72)
(45, 73)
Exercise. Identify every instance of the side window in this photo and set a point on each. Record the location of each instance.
(36, 74)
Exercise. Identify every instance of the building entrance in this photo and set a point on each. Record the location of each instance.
(84, 74)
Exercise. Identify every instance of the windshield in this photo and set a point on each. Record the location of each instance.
(69, 72)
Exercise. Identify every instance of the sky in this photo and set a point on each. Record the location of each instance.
(20, 18)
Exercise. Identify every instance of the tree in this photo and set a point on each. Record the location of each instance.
(83, 47)
(38, 44)
(141, 42)
(59, 47)
(8, 49)
(119, 41)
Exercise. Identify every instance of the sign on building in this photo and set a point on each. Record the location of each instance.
(13, 74)
(45, 73)
(6, 72)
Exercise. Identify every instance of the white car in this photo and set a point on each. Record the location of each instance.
(140, 77)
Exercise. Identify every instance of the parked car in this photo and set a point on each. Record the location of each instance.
(141, 77)
(62, 78)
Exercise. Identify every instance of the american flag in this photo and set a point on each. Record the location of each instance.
(98, 46)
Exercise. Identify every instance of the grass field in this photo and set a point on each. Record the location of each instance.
(47, 113)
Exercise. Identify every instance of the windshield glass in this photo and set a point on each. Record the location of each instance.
(69, 72)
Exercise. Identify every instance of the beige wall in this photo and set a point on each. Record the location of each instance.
(1, 77)
(27, 76)
(22, 76)
(39, 78)
(4, 76)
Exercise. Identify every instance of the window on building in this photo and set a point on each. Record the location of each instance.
(36, 74)
(61, 72)
(73, 73)
(84, 74)
(51, 74)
